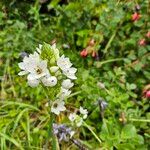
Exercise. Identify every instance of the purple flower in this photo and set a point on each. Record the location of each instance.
(63, 132)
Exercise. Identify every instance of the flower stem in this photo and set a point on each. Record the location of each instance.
(50, 129)
(139, 120)
(99, 64)
(51, 134)
(94, 134)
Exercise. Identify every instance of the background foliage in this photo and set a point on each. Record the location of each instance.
(122, 66)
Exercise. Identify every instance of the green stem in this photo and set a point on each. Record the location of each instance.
(73, 94)
(51, 134)
(94, 134)
(139, 120)
(50, 129)
(99, 64)
(110, 41)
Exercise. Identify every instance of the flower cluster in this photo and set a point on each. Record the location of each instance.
(45, 66)
(78, 119)
(62, 132)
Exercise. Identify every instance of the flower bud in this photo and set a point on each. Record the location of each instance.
(142, 42)
(54, 69)
(50, 81)
(147, 94)
(83, 53)
(135, 16)
(94, 54)
(67, 84)
(148, 34)
(92, 42)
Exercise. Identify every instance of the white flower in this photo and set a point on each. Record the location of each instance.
(67, 84)
(49, 81)
(70, 73)
(72, 117)
(54, 69)
(63, 62)
(28, 63)
(84, 112)
(64, 93)
(38, 69)
(33, 65)
(58, 106)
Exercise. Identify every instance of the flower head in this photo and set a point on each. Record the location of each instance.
(34, 67)
(47, 67)
(63, 132)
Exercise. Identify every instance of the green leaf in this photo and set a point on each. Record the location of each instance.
(11, 140)
(128, 132)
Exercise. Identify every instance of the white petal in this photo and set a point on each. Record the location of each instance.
(72, 117)
(31, 77)
(43, 65)
(50, 81)
(38, 50)
(33, 83)
(67, 84)
(22, 73)
(21, 65)
(72, 70)
(55, 111)
(83, 111)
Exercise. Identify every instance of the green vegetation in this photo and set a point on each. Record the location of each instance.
(108, 41)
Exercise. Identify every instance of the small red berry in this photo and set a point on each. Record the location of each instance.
(135, 16)
(148, 34)
(147, 94)
(142, 42)
(83, 53)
